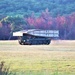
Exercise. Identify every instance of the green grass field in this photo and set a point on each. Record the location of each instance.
(58, 58)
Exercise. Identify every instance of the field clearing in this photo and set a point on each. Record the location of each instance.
(58, 58)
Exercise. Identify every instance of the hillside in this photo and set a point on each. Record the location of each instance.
(24, 7)
(18, 15)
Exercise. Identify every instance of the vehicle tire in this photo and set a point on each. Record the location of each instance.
(20, 41)
(48, 42)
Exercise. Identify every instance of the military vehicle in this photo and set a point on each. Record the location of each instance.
(36, 36)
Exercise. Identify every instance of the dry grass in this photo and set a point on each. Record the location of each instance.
(58, 58)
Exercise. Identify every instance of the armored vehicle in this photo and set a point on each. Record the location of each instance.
(36, 36)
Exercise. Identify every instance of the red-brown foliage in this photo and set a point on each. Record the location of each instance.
(65, 24)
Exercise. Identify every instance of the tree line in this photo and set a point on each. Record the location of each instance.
(65, 24)
(24, 7)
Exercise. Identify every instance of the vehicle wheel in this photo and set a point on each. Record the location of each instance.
(20, 41)
(48, 42)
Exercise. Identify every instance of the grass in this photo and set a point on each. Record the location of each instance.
(58, 58)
